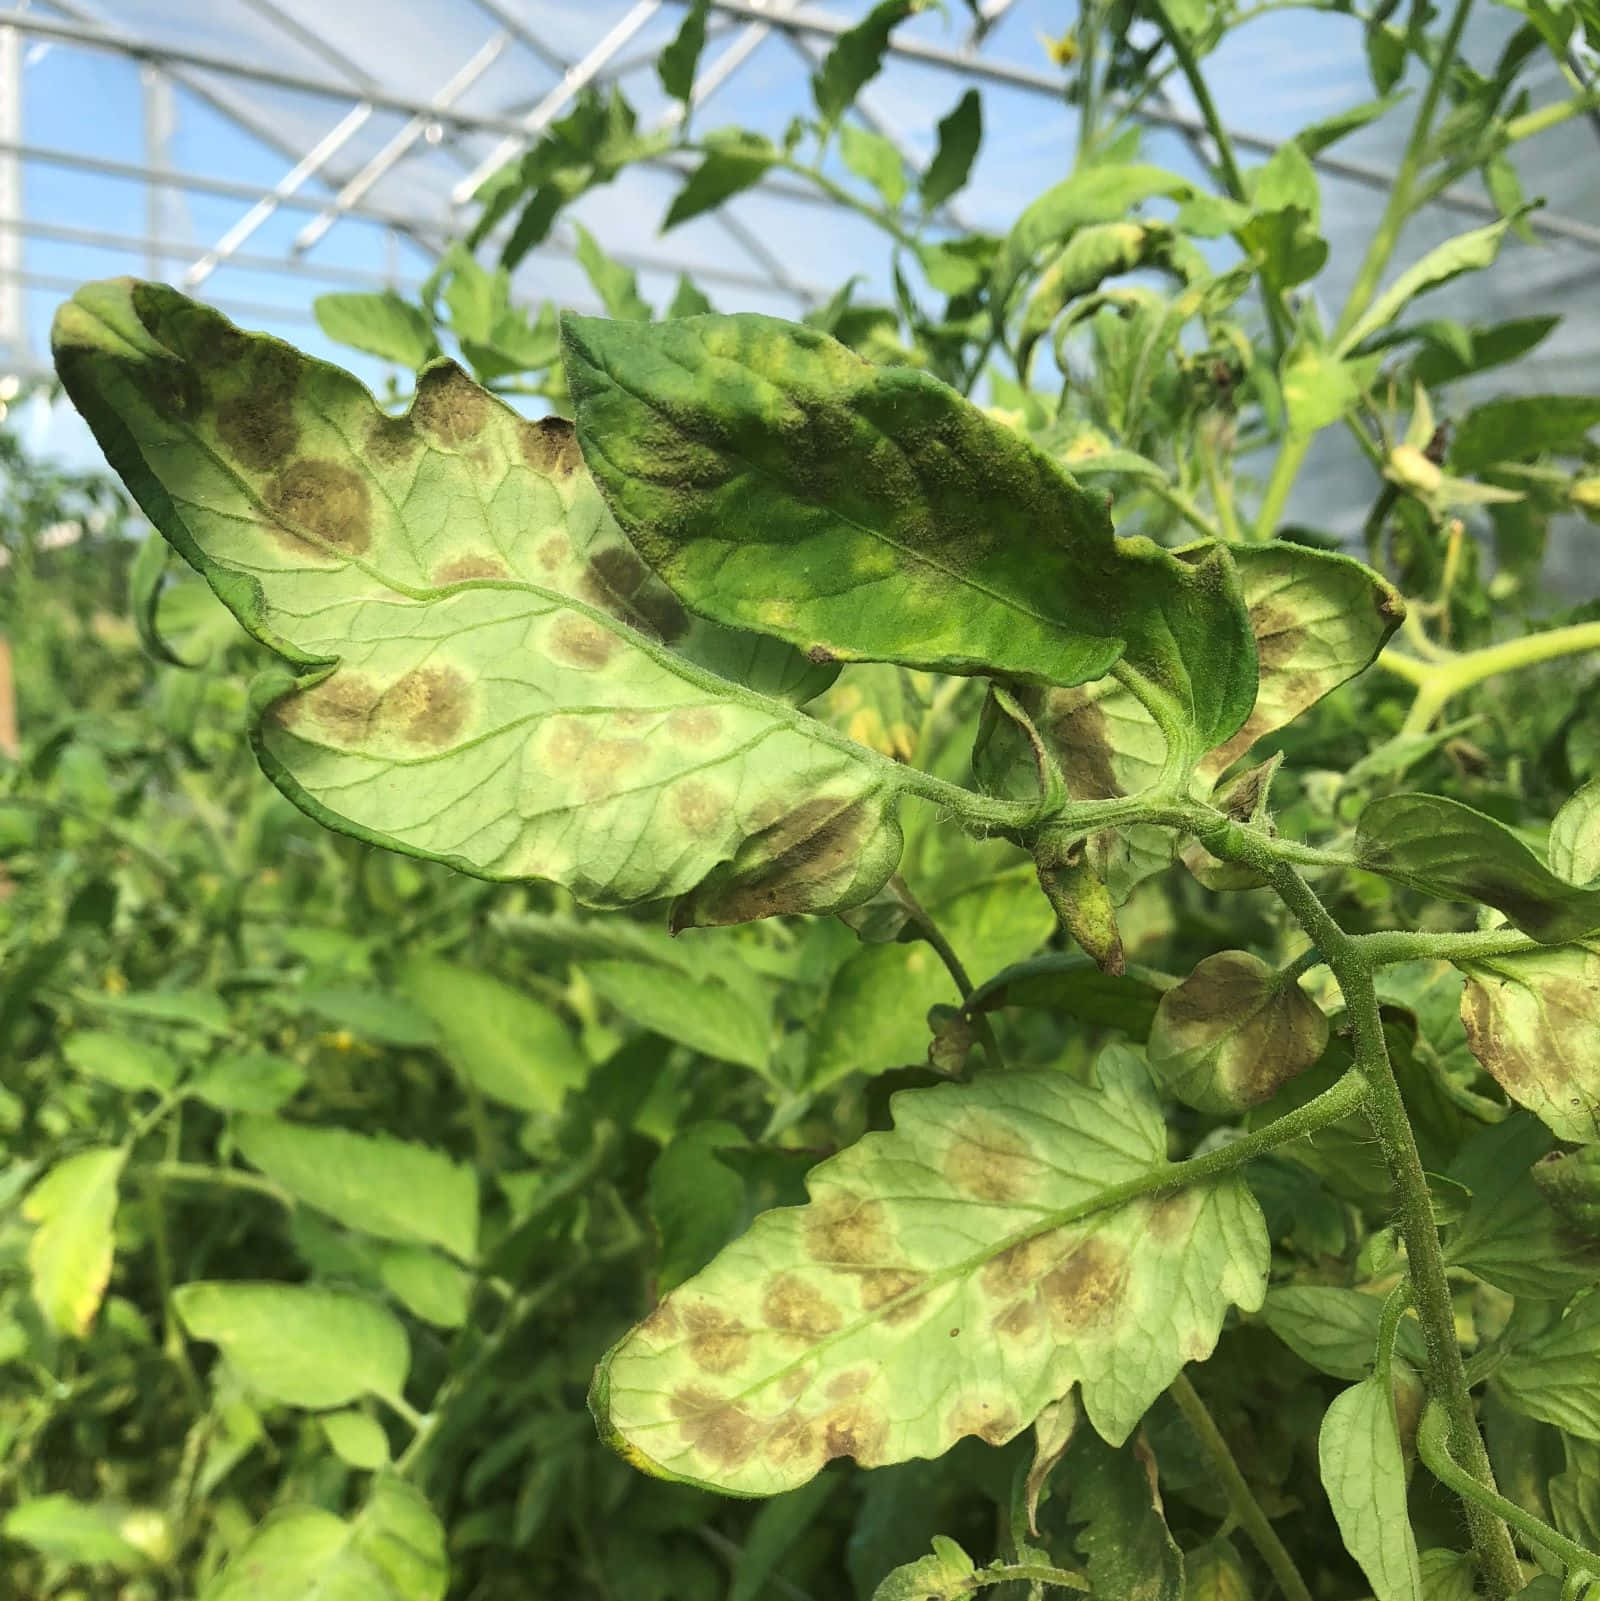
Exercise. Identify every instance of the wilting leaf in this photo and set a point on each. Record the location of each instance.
(1575, 836)
(960, 134)
(392, 1550)
(1444, 848)
(484, 674)
(1555, 1377)
(951, 1277)
(779, 482)
(1533, 1021)
(300, 1344)
(1233, 1033)
(1364, 1474)
(389, 1188)
(70, 1253)
(1336, 1330)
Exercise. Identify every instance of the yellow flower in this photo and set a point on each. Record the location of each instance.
(1063, 51)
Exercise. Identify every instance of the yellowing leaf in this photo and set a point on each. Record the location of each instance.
(70, 1253)
(951, 1277)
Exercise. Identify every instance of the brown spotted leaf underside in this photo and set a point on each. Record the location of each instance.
(953, 1276)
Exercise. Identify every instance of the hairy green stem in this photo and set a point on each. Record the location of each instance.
(946, 953)
(1386, 1112)
(1441, 681)
(1433, 1446)
(1386, 948)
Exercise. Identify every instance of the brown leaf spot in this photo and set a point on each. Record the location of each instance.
(550, 446)
(1019, 1267)
(992, 1421)
(843, 1230)
(1021, 1321)
(795, 1380)
(662, 1322)
(553, 553)
(793, 1439)
(791, 1306)
(258, 429)
(581, 642)
(172, 388)
(324, 499)
(806, 850)
(617, 581)
(853, 1429)
(343, 705)
(1279, 636)
(851, 1382)
(990, 1162)
(391, 441)
(880, 1286)
(698, 807)
(463, 569)
(1172, 1218)
(1076, 731)
(1085, 1291)
(428, 706)
(695, 725)
(717, 1342)
(449, 407)
(718, 1429)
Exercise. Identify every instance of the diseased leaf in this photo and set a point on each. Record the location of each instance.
(1364, 1474)
(1575, 836)
(853, 1326)
(484, 679)
(777, 481)
(1336, 1330)
(392, 1550)
(1233, 1033)
(299, 1344)
(960, 134)
(69, 1256)
(946, 1574)
(1555, 1377)
(1446, 849)
(1533, 1021)
(389, 1188)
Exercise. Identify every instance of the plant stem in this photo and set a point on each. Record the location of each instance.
(1390, 946)
(1241, 1499)
(1433, 1446)
(1441, 681)
(1386, 1112)
(946, 953)
(1221, 490)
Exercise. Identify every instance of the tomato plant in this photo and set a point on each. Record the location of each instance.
(981, 999)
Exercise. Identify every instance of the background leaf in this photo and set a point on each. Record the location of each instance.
(69, 1255)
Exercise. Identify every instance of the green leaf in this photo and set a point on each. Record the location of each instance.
(1515, 429)
(514, 712)
(181, 1008)
(1215, 1572)
(960, 135)
(874, 160)
(1076, 987)
(1113, 1502)
(677, 64)
(253, 1082)
(1335, 1330)
(696, 1201)
(857, 57)
(507, 1045)
(1511, 1235)
(428, 1286)
(1439, 362)
(392, 1550)
(772, 1532)
(1318, 388)
(1364, 1473)
(117, 1059)
(299, 1344)
(1555, 1377)
(368, 1013)
(1233, 1033)
(1467, 252)
(1318, 136)
(384, 325)
(946, 1574)
(1287, 180)
(385, 1187)
(72, 1531)
(69, 1256)
(1570, 1182)
(616, 285)
(710, 1017)
(988, 1211)
(738, 162)
(687, 300)
(1093, 254)
(1533, 1021)
(1575, 1494)
(746, 456)
(1575, 836)
(1450, 851)
(357, 1439)
(1448, 1576)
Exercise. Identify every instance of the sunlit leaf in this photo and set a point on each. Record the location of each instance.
(734, 163)
(857, 56)
(118, 1059)
(384, 325)
(676, 65)
(874, 160)
(850, 1326)
(714, 1018)
(72, 1531)
(357, 1439)
(484, 674)
(70, 1253)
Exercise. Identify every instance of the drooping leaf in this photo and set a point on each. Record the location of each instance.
(1555, 1377)
(392, 1189)
(1447, 849)
(1364, 1473)
(384, 325)
(1336, 1330)
(513, 709)
(677, 64)
(960, 134)
(1533, 1021)
(1076, 987)
(1575, 836)
(69, 1256)
(857, 57)
(748, 457)
(297, 1343)
(392, 1550)
(508, 1045)
(1233, 1033)
(981, 1223)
